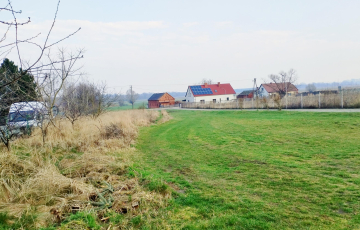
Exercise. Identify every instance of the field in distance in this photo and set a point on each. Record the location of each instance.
(127, 106)
(256, 170)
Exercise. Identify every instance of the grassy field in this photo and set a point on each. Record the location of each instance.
(255, 170)
(128, 106)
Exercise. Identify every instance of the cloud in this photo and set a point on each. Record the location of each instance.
(124, 53)
(190, 24)
(93, 30)
(223, 24)
(124, 26)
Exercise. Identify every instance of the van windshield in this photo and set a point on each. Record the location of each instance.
(22, 116)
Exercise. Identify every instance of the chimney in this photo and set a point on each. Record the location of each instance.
(218, 84)
(205, 84)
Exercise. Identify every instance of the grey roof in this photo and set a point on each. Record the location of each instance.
(246, 92)
(156, 96)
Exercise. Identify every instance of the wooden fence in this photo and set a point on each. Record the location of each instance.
(342, 99)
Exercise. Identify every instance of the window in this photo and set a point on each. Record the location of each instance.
(202, 101)
(22, 116)
(214, 100)
(227, 98)
(215, 91)
(188, 100)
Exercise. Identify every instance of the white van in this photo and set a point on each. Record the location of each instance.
(25, 115)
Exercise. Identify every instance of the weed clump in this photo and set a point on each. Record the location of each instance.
(165, 117)
(77, 176)
(112, 131)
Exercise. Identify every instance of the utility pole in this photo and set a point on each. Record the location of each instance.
(286, 94)
(254, 92)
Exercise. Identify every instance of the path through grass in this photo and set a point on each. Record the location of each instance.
(256, 170)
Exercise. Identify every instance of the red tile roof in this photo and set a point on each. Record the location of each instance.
(217, 89)
(273, 88)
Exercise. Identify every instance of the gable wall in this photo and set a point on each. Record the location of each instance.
(167, 98)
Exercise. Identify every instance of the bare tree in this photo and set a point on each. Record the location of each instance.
(121, 99)
(100, 100)
(283, 81)
(6, 47)
(277, 101)
(265, 102)
(310, 87)
(74, 102)
(85, 99)
(282, 84)
(207, 81)
(51, 80)
(131, 96)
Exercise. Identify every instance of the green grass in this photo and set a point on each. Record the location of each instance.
(255, 170)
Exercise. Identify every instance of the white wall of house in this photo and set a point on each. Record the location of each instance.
(189, 96)
(263, 92)
(219, 98)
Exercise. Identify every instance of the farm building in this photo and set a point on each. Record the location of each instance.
(158, 100)
(273, 89)
(215, 93)
(246, 94)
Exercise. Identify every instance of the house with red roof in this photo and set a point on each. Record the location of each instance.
(272, 89)
(216, 93)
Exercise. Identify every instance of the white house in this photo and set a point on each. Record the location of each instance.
(216, 93)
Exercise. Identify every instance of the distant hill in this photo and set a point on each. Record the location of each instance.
(145, 96)
(332, 85)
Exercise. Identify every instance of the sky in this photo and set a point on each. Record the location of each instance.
(164, 46)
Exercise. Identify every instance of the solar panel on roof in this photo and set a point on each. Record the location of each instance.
(197, 90)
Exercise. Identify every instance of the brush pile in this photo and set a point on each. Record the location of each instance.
(80, 168)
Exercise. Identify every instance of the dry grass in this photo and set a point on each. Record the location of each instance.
(164, 116)
(67, 173)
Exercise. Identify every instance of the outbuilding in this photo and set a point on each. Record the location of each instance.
(158, 100)
(246, 94)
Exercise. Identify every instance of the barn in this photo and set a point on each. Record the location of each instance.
(158, 100)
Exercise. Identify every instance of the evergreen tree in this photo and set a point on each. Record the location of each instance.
(22, 90)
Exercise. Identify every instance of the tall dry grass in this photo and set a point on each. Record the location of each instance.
(67, 173)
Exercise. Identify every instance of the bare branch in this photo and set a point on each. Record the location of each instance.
(4, 37)
(21, 41)
(63, 38)
(16, 23)
(16, 33)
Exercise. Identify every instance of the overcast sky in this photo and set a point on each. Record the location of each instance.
(160, 46)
